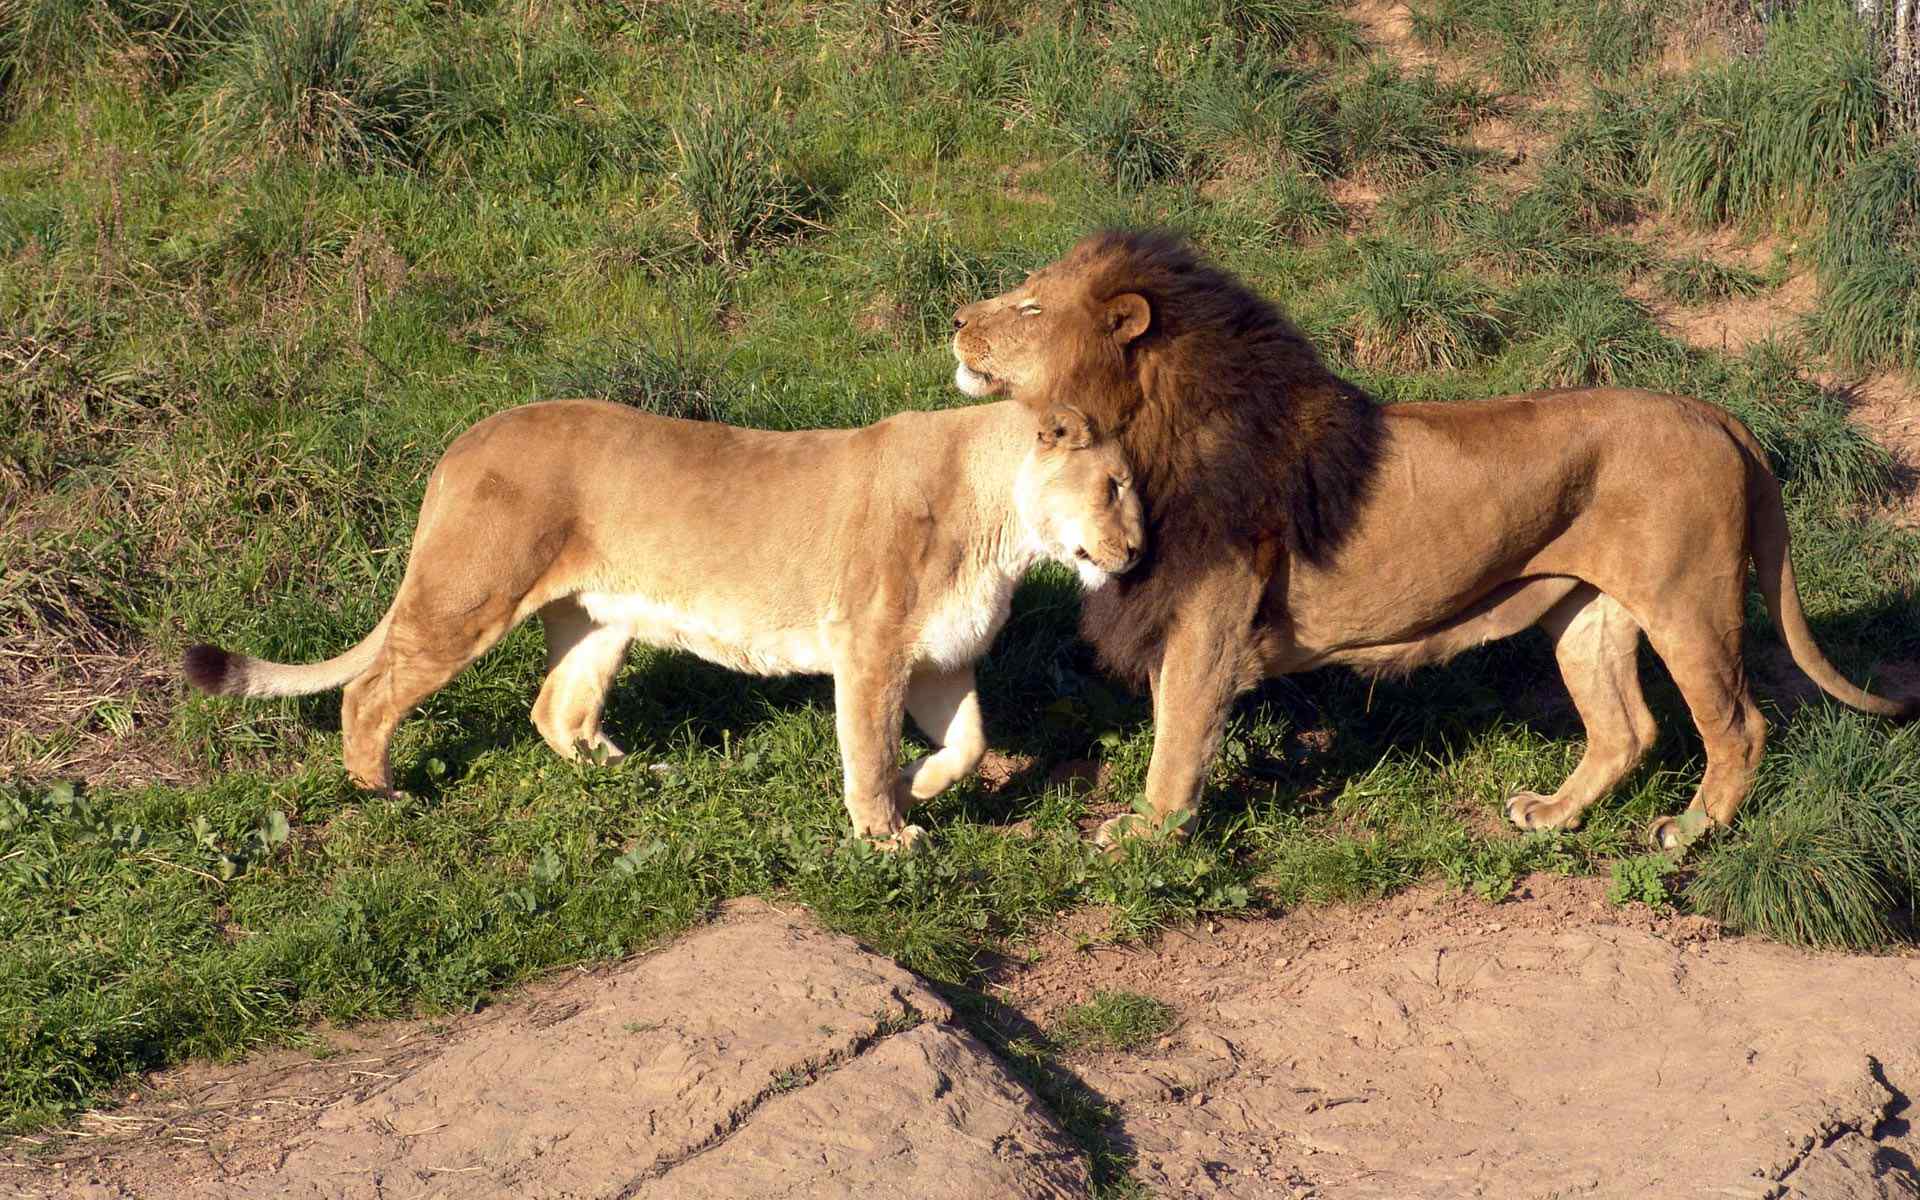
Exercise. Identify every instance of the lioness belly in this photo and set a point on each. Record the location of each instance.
(733, 642)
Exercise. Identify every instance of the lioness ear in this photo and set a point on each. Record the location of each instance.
(1128, 316)
(1067, 428)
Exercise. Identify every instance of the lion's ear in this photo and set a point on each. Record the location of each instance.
(1066, 428)
(1128, 316)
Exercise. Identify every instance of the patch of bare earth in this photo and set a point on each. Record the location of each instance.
(1428, 1045)
(1432, 1045)
(1733, 324)
(1887, 406)
(1388, 27)
(756, 1057)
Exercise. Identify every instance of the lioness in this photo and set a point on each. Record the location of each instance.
(886, 556)
(1295, 523)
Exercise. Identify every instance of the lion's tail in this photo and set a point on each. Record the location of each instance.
(1767, 535)
(222, 673)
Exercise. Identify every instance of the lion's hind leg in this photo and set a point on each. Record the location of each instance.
(946, 706)
(1703, 656)
(583, 656)
(1596, 642)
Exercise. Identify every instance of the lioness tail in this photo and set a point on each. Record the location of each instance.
(1767, 536)
(222, 673)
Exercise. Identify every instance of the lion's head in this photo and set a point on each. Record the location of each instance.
(1057, 324)
(1076, 498)
(1239, 435)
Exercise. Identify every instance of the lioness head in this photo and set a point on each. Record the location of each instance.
(1075, 496)
(1069, 319)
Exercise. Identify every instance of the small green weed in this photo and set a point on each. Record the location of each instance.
(1642, 880)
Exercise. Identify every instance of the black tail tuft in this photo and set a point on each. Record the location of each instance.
(208, 667)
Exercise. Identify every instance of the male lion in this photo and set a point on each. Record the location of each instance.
(886, 556)
(1295, 523)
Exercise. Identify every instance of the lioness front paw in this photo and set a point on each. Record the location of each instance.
(1531, 810)
(906, 840)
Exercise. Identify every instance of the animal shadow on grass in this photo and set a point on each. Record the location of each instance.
(1301, 737)
(1048, 706)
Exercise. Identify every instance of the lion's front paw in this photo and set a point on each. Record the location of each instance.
(1677, 835)
(1531, 810)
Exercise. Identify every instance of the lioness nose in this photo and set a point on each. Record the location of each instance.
(962, 314)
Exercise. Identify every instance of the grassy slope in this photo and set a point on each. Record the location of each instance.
(259, 265)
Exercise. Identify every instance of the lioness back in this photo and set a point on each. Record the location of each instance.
(690, 510)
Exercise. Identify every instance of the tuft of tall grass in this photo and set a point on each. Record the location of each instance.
(1436, 206)
(44, 43)
(1253, 112)
(306, 81)
(1412, 311)
(1513, 33)
(1762, 139)
(1131, 141)
(1868, 257)
(1170, 33)
(1295, 205)
(1869, 314)
(1824, 459)
(1553, 226)
(740, 192)
(1112, 1021)
(1606, 143)
(1586, 332)
(1396, 127)
(1696, 279)
(1827, 852)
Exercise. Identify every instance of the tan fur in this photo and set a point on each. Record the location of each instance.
(1597, 514)
(885, 556)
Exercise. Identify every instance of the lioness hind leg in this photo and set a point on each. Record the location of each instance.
(1704, 659)
(1596, 642)
(417, 660)
(582, 659)
(946, 706)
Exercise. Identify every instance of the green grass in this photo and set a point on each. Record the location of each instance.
(1697, 279)
(1413, 311)
(1760, 141)
(261, 262)
(1868, 265)
(1118, 1020)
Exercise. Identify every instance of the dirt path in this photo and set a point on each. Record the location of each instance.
(1429, 1045)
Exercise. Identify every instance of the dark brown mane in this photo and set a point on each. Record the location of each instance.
(1237, 431)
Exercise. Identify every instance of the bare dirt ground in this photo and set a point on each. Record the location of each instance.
(1429, 1045)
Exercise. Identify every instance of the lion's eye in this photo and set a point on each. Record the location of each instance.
(1029, 310)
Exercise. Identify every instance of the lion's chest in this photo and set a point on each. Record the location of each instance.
(957, 629)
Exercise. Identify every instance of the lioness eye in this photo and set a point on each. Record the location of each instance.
(1029, 310)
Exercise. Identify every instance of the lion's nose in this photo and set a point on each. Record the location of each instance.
(962, 315)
